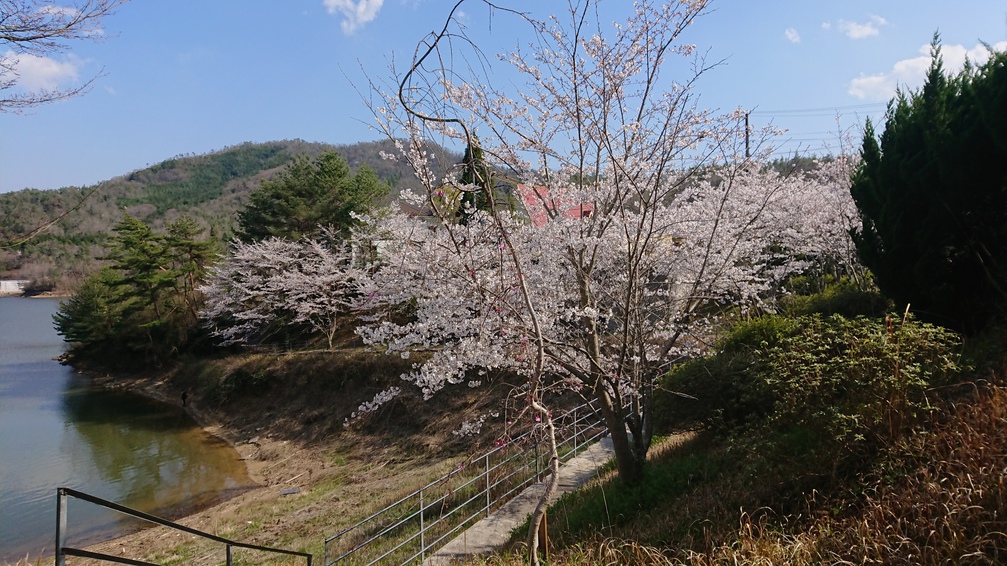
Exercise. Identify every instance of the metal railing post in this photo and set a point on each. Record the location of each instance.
(576, 423)
(60, 526)
(63, 550)
(423, 540)
(537, 472)
(510, 470)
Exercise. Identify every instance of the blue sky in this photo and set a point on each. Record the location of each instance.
(192, 76)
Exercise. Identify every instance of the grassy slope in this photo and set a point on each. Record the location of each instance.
(936, 496)
(929, 491)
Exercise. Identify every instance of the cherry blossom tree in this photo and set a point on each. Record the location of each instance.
(654, 217)
(277, 281)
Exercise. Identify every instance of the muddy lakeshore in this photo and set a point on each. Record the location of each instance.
(312, 474)
(273, 465)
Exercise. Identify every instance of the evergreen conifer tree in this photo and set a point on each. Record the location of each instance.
(308, 194)
(932, 195)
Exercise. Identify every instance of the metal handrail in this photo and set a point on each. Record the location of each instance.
(62, 551)
(514, 472)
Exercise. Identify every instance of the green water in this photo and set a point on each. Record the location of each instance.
(56, 429)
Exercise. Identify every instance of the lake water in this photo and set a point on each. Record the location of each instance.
(57, 429)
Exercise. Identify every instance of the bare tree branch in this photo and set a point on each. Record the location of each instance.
(30, 29)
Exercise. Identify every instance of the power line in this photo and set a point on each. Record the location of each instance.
(818, 139)
(821, 111)
(829, 115)
(824, 133)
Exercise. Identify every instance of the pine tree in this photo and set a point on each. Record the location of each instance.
(932, 195)
(147, 301)
(309, 194)
(92, 317)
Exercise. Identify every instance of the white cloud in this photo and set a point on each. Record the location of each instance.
(792, 35)
(873, 87)
(826, 25)
(44, 73)
(356, 12)
(856, 30)
(955, 55)
(910, 73)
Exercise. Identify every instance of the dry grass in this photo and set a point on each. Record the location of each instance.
(26, 561)
(934, 497)
(950, 503)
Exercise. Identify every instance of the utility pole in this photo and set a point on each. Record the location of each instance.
(747, 154)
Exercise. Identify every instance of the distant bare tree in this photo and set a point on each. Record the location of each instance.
(31, 31)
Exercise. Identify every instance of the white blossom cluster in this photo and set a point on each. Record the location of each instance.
(646, 213)
(598, 282)
(280, 281)
(639, 218)
(374, 404)
(470, 428)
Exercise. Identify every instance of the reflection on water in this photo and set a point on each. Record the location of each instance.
(56, 429)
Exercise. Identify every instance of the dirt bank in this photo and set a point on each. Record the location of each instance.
(280, 469)
(315, 476)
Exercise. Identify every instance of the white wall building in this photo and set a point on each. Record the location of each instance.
(12, 286)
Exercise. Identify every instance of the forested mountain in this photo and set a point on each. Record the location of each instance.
(210, 188)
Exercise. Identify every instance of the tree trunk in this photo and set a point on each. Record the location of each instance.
(539, 515)
(629, 465)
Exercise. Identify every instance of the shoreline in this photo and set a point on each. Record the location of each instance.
(315, 475)
(42, 295)
(157, 387)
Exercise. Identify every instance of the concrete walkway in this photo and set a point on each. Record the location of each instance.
(494, 531)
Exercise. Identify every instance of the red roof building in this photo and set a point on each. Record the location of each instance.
(541, 207)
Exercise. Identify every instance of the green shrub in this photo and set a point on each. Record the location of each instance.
(826, 387)
(718, 392)
(841, 297)
(748, 335)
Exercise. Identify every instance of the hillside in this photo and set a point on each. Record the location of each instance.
(211, 188)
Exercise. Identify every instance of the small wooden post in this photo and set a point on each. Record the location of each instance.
(543, 536)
